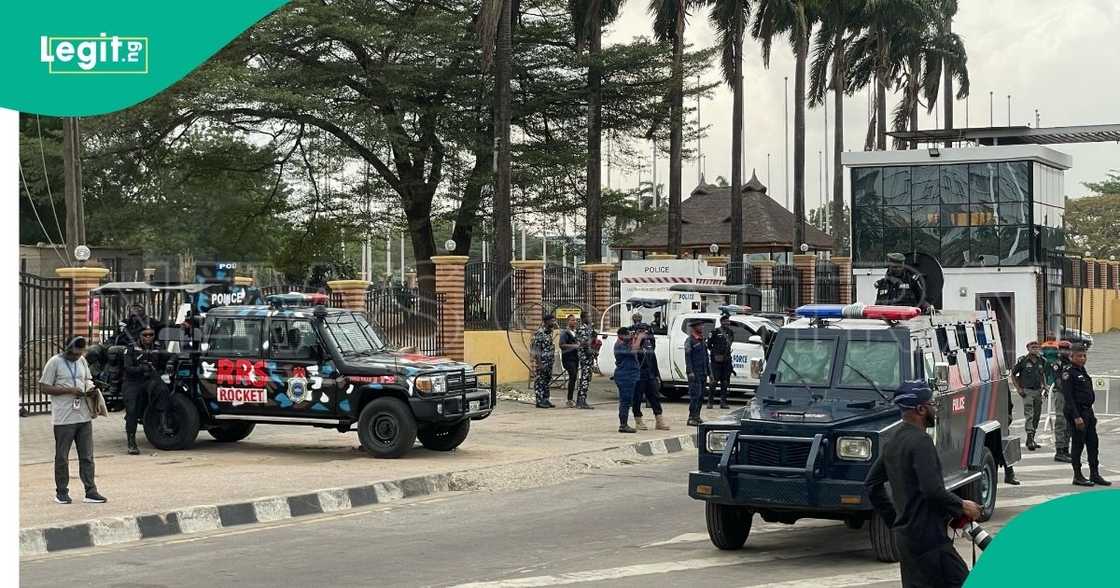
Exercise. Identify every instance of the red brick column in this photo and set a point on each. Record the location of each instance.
(1102, 273)
(1075, 273)
(764, 273)
(806, 266)
(1115, 269)
(450, 277)
(529, 308)
(1090, 273)
(351, 292)
(844, 269)
(82, 280)
(600, 299)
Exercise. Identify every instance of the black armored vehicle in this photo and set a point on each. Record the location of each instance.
(804, 445)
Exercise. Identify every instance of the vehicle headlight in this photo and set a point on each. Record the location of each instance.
(857, 448)
(716, 441)
(431, 384)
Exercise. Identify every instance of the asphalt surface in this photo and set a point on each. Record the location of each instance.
(627, 526)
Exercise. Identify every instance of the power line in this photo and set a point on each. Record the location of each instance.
(27, 191)
(47, 180)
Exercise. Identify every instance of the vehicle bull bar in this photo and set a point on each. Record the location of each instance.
(731, 450)
(492, 384)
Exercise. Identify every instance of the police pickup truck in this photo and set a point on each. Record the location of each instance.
(296, 362)
(747, 348)
(804, 445)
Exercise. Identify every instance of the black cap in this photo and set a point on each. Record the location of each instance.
(548, 316)
(896, 257)
(1079, 348)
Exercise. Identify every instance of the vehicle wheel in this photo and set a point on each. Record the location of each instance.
(882, 540)
(231, 432)
(445, 438)
(728, 526)
(174, 428)
(983, 491)
(672, 394)
(386, 428)
(854, 524)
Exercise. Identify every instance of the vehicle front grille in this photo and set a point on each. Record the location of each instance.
(458, 382)
(776, 453)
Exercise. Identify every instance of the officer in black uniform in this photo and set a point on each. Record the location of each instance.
(139, 368)
(1077, 389)
(719, 346)
(900, 285)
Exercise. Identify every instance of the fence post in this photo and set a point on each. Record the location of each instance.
(806, 266)
(82, 280)
(352, 293)
(844, 274)
(600, 297)
(765, 277)
(450, 283)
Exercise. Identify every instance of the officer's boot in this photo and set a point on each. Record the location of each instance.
(1031, 445)
(132, 448)
(1095, 477)
(1078, 479)
(640, 424)
(660, 425)
(1062, 455)
(1009, 476)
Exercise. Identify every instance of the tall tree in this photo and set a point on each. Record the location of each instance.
(840, 22)
(669, 19)
(588, 19)
(948, 11)
(729, 18)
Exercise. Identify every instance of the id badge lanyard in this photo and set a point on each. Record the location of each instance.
(73, 369)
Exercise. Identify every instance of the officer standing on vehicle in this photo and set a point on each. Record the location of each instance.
(542, 352)
(696, 367)
(648, 375)
(900, 285)
(588, 339)
(139, 369)
(919, 507)
(1077, 388)
(1061, 425)
(719, 345)
(1029, 375)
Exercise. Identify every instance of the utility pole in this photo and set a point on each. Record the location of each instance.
(785, 180)
(699, 151)
(1036, 120)
(991, 109)
(1009, 110)
(72, 178)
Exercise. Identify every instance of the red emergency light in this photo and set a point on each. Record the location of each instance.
(872, 311)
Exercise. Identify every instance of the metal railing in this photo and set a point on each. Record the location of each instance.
(484, 308)
(827, 284)
(740, 273)
(408, 319)
(786, 284)
(565, 286)
(46, 322)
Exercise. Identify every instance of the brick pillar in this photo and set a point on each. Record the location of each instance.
(806, 266)
(530, 293)
(1090, 273)
(1075, 273)
(844, 270)
(600, 299)
(82, 280)
(450, 277)
(350, 294)
(764, 273)
(243, 281)
(1115, 269)
(1102, 273)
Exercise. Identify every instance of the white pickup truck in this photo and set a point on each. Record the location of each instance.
(746, 348)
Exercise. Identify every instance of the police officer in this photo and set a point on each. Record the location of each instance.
(900, 285)
(648, 376)
(1029, 375)
(719, 346)
(626, 371)
(1061, 426)
(587, 338)
(139, 369)
(696, 368)
(1077, 388)
(542, 352)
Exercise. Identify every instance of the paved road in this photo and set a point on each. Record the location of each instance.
(631, 526)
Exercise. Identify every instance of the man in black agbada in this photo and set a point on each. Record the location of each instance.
(1077, 389)
(919, 507)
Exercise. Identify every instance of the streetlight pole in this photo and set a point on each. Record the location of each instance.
(785, 180)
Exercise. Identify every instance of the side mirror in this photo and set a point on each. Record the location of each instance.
(754, 339)
(941, 376)
(756, 366)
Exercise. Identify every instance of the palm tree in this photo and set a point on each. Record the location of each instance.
(669, 19)
(840, 22)
(948, 9)
(729, 18)
(795, 18)
(588, 18)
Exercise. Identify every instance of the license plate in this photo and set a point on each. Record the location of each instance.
(475, 405)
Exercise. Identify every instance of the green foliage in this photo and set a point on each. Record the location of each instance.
(1093, 222)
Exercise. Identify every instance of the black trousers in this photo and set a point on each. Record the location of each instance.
(721, 376)
(940, 567)
(1085, 439)
(135, 403)
(646, 388)
(572, 367)
(80, 434)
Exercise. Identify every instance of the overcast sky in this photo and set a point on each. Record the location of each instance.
(1059, 57)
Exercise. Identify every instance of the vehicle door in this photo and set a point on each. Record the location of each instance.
(296, 365)
(233, 373)
(742, 352)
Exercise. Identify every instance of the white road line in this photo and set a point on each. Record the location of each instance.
(1035, 455)
(756, 529)
(883, 574)
(1063, 481)
(1044, 468)
(685, 565)
(1028, 501)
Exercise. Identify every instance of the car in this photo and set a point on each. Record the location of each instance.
(1076, 336)
(297, 362)
(804, 445)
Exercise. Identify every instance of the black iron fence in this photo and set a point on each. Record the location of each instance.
(489, 295)
(785, 287)
(565, 286)
(45, 325)
(740, 273)
(407, 319)
(827, 285)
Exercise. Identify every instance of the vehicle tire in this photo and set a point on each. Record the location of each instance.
(231, 432)
(983, 491)
(854, 524)
(174, 428)
(672, 394)
(728, 526)
(882, 540)
(386, 428)
(445, 438)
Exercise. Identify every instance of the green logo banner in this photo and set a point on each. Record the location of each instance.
(67, 58)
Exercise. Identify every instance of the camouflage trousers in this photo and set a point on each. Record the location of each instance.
(542, 381)
(1061, 426)
(586, 365)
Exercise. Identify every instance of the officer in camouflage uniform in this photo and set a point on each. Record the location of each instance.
(542, 352)
(1029, 375)
(585, 334)
(1061, 426)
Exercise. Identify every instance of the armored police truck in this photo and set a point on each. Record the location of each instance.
(803, 446)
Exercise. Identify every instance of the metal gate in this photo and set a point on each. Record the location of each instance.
(785, 286)
(407, 321)
(565, 286)
(45, 324)
(827, 288)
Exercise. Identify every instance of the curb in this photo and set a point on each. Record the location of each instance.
(195, 519)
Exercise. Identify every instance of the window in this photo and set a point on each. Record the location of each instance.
(807, 361)
(926, 216)
(291, 339)
(984, 247)
(926, 185)
(954, 247)
(707, 326)
(896, 186)
(874, 360)
(1015, 245)
(867, 186)
(928, 241)
(1014, 213)
(981, 182)
(954, 184)
(896, 216)
(983, 214)
(239, 337)
(1014, 184)
(869, 244)
(353, 335)
(897, 240)
(955, 215)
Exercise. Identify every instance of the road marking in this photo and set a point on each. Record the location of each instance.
(884, 574)
(685, 565)
(1029, 501)
(1044, 468)
(755, 530)
(1063, 481)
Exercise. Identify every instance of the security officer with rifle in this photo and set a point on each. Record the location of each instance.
(901, 285)
(1077, 388)
(1061, 426)
(140, 360)
(719, 346)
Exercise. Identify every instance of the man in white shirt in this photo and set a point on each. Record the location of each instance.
(66, 379)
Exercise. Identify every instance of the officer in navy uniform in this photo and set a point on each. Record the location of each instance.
(1061, 426)
(900, 285)
(1077, 389)
(719, 344)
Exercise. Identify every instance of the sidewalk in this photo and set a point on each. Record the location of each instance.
(284, 460)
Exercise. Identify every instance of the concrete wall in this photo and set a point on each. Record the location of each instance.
(1100, 309)
(495, 347)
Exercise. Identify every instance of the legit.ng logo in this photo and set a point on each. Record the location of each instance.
(102, 54)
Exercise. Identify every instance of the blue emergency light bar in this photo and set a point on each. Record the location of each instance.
(296, 299)
(857, 310)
